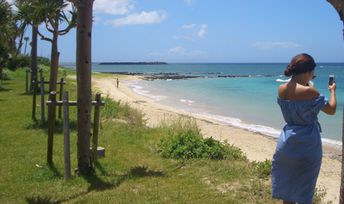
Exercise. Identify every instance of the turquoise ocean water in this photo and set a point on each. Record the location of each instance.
(247, 101)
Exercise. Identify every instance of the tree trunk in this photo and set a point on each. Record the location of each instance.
(54, 55)
(341, 193)
(34, 56)
(20, 44)
(339, 6)
(83, 68)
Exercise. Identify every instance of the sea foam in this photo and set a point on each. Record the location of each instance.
(141, 91)
(265, 130)
(282, 80)
(186, 101)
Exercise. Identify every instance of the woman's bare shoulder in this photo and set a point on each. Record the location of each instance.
(297, 92)
(307, 93)
(282, 90)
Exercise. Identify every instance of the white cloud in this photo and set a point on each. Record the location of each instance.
(188, 26)
(113, 7)
(179, 50)
(144, 17)
(272, 45)
(202, 31)
(193, 31)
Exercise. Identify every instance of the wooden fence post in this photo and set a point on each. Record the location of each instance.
(41, 74)
(60, 98)
(27, 81)
(34, 83)
(42, 102)
(66, 135)
(96, 128)
(51, 126)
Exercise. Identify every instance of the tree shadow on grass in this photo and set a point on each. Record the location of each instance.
(37, 124)
(34, 124)
(73, 124)
(2, 89)
(41, 200)
(5, 82)
(24, 94)
(54, 170)
(98, 166)
(98, 184)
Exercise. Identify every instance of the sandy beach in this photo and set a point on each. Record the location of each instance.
(256, 146)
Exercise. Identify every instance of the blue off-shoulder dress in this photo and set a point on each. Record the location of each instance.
(297, 159)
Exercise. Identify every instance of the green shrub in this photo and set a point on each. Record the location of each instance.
(185, 141)
(183, 146)
(18, 62)
(263, 169)
(44, 61)
(218, 150)
(6, 74)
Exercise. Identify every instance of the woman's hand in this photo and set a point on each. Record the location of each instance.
(332, 87)
(331, 106)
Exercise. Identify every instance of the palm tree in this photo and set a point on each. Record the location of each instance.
(339, 6)
(7, 27)
(83, 67)
(55, 14)
(27, 13)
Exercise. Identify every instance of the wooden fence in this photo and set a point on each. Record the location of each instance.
(52, 103)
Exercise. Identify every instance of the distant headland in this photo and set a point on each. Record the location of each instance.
(131, 63)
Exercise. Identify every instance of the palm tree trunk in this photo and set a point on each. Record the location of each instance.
(20, 44)
(339, 6)
(83, 68)
(34, 56)
(54, 56)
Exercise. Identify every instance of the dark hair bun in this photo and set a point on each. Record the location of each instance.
(301, 63)
(288, 71)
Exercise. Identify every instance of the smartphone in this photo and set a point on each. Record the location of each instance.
(330, 80)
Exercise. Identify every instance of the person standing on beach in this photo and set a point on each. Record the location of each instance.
(117, 82)
(297, 159)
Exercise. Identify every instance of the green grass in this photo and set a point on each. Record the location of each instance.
(131, 172)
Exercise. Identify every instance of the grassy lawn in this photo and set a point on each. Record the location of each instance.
(131, 172)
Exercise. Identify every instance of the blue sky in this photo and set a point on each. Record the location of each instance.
(210, 31)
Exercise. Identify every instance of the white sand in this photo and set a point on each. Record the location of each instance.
(256, 146)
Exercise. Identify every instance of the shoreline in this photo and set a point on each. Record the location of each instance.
(256, 146)
(331, 146)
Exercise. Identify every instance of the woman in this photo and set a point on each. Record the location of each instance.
(297, 159)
